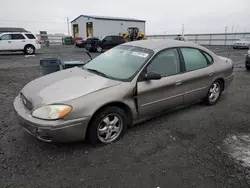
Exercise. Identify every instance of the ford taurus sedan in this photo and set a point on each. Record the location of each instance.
(121, 87)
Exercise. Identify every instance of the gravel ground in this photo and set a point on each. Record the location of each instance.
(183, 148)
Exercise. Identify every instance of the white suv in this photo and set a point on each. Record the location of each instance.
(16, 41)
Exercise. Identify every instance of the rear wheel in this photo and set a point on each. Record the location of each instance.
(107, 126)
(248, 67)
(214, 93)
(29, 49)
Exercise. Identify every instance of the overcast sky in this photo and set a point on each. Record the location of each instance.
(162, 16)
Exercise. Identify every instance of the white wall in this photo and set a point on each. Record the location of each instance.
(82, 26)
(105, 27)
(112, 27)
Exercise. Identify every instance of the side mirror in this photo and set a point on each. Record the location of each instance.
(153, 76)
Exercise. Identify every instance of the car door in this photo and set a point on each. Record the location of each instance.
(198, 74)
(154, 96)
(107, 42)
(18, 41)
(5, 42)
(117, 40)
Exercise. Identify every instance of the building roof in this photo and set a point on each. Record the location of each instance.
(160, 44)
(109, 18)
(11, 29)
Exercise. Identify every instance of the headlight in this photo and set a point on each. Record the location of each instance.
(51, 112)
(248, 53)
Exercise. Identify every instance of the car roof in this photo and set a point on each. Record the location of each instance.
(16, 33)
(160, 44)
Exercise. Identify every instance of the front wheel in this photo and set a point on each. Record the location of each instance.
(99, 49)
(107, 126)
(248, 67)
(214, 93)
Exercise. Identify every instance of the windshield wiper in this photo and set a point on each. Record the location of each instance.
(97, 72)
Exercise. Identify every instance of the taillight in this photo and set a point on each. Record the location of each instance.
(38, 41)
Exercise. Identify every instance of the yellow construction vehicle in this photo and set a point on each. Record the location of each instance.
(134, 34)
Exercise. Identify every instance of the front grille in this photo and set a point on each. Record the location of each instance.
(26, 102)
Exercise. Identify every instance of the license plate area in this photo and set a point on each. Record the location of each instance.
(28, 128)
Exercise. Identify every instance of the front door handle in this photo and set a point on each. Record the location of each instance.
(9, 41)
(211, 74)
(178, 83)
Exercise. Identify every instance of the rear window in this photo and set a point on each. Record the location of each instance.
(17, 36)
(30, 36)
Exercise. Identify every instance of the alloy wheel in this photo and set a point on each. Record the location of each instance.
(110, 128)
(30, 50)
(214, 91)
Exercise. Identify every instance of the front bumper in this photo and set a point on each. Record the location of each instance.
(247, 62)
(241, 46)
(51, 131)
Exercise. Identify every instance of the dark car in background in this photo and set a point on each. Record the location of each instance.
(82, 43)
(104, 43)
(247, 63)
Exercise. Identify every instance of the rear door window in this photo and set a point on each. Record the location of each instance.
(117, 39)
(17, 37)
(193, 58)
(209, 58)
(30, 36)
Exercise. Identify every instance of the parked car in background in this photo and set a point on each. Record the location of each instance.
(18, 41)
(180, 38)
(247, 63)
(76, 39)
(242, 43)
(123, 86)
(104, 43)
(82, 43)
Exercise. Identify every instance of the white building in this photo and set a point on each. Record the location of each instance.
(86, 26)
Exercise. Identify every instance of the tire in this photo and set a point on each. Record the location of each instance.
(213, 98)
(248, 68)
(29, 49)
(98, 129)
(99, 49)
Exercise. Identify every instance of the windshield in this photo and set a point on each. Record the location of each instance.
(121, 63)
(245, 39)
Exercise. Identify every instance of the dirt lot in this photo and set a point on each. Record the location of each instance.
(180, 149)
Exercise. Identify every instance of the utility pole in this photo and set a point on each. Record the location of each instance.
(226, 29)
(226, 35)
(68, 25)
(182, 31)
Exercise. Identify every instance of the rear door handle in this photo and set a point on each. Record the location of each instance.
(23, 41)
(9, 41)
(211, 74)
(178, 83)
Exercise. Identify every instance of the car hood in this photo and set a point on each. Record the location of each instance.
(64, 85)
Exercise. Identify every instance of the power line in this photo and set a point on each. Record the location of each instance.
(29, 21)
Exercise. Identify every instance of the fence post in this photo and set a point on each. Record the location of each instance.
(196, 38)
(210, 40)
(225, 39)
